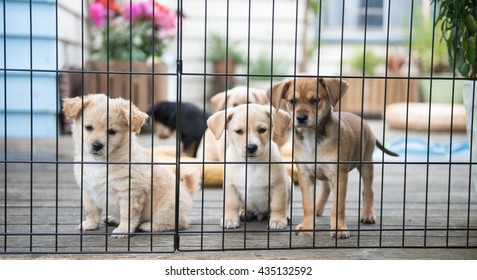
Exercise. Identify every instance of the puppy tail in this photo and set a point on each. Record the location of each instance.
(190, 179)
(382, 148)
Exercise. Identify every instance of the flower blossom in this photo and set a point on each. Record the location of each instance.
(97, 14)
(133, 11)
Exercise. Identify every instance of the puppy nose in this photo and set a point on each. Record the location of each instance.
(251, 148)
(301, 118)
(97, 146)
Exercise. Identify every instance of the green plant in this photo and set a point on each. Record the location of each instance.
(422, 44)
(219, 50)
(458, 20)
(372, 61)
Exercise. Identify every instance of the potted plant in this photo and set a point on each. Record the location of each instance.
(373, 88)
(225, 58)
(458, 21)
(135, 31)
(430, 54)
(125, 38)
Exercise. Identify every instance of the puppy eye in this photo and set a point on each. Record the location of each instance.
(262, 130)
(88, 127)
(292, 101)
(314, 101)
(111, 131)
(239, 132)
(234, 105)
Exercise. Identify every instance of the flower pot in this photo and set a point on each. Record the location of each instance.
(132, 81)
(223, 81)
(470, 103)
(441, 90)
(377, 91)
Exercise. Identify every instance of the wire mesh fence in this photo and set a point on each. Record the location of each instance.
(242, 157)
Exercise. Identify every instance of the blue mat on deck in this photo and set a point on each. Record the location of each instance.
(419, 148)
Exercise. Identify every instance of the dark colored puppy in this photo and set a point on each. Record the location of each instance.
(193, 123)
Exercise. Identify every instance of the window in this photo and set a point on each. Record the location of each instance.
(357, 13)
(375, 13)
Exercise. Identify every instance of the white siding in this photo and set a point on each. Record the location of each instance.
(237, 27)
(70, 37)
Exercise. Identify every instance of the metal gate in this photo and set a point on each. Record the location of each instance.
(388, 51)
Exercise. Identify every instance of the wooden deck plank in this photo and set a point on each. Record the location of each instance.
(425, 208)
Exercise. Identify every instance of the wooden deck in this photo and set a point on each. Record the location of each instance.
(417, 205)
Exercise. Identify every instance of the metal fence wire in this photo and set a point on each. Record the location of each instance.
(381, 60)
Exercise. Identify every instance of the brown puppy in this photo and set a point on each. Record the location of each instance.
(104, 135)
(322, 135)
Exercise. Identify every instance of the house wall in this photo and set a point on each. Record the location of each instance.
(29, 102)
(250, 28)
(73, 35)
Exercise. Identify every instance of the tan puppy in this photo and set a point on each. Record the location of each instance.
(232, 98)
(321, 137)
(249, 183)
(104, 133)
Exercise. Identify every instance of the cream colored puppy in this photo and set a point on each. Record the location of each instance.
(248, 186)
(233, 98)
(104, 134)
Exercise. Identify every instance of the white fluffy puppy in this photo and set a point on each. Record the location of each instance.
(104, 135)
(248, 186)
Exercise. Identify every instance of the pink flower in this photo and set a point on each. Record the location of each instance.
(166, 34)
(133, 11)
(148, 9)
(97, 14)
(165, 19)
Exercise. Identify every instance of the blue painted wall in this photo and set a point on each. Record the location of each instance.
(28, 79)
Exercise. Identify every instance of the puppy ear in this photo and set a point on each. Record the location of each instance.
(332, 86)
(131, 113)
(138, 118)
(260, 96)
(218, 101)
(74, 106)
(278, 92)
(218, 121)
(281, 122)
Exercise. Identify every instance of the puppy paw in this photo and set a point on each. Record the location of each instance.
(303, 226)
(88, 225)
(118, 233)
(368, 218)
(229, 223)
(340, 234)
(278, 223)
